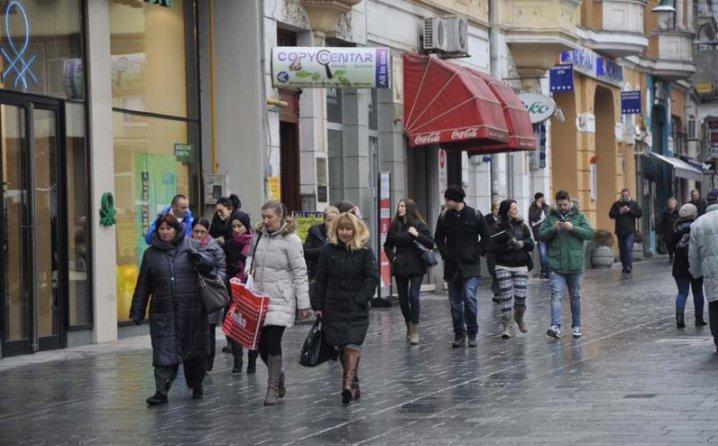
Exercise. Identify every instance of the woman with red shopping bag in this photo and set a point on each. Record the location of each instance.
(279, 272)
(345, 283)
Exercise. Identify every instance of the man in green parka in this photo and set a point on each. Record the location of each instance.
(564, 231)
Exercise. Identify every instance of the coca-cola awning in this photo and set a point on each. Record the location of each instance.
(462, 109)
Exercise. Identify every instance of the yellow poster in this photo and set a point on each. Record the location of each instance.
(275, 190)
(305, 220)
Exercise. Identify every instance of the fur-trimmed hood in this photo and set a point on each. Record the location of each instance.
(289, 226)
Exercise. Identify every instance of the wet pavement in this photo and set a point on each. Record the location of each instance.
(632, 379)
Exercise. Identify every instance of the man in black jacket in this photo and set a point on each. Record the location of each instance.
(457, 236)
(317, 237)
(665, 226)
(698, 202)
(626, 211)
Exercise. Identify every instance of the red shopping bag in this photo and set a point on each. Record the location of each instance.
(245, 316)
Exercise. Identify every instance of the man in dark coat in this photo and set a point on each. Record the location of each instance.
(538, 211)
(665, 226)
(317, 237)
(461, 233)
(626, 211)
(698, 202)
(179, 328)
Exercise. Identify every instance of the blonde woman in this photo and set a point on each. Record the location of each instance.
(345, 282)
(280, 272)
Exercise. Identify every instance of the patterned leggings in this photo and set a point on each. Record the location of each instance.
(512, 287)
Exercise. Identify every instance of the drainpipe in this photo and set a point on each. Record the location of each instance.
(494, 66)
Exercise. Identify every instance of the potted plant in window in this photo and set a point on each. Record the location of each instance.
(638, 247)
(602, 252)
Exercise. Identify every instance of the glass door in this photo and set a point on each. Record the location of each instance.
(29, 236)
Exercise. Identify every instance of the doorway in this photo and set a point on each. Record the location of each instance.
(289, 151)
(32, 310)
(605, 161)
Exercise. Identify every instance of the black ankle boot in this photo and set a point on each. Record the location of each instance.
(252, 363)
(198, 393)
(680, 321)
(237, 365)
(700, 322)
(157, 399)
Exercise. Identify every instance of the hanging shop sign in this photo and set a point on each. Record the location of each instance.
(591, 64)
(320, 67)
(631, 102)
(166, 3)
(540, 107)
(561, 78)
(713, 133)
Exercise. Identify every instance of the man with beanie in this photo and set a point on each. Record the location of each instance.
(703, 257)
(461, 233)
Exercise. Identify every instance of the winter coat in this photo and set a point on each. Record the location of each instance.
(565, 248)
(237, 248)
(316, 239)
(680, 260)
(703, 251)
(701, 205)
(665, 225)
(215, 252)
(504, 252)
(280, 272)
(536, 215)
(344, 286)
(405, 257)
(625, 223)
(461, 237)
(187, 221)
(179, 328)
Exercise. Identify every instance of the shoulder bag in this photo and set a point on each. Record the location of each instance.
(427, 255)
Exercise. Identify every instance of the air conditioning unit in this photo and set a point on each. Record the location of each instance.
(448, 36)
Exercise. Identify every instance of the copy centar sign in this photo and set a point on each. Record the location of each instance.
(318, 67)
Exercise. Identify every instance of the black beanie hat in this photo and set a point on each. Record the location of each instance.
(243, 218)
(455, 193)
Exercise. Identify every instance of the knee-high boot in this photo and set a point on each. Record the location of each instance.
(350, 362)
(274, 364)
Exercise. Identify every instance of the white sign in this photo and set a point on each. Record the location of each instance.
(540, 107)
(443, 173)
(320, 67)
(586, 122)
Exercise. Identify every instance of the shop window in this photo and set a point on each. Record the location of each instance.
(373, 111)
(334, 105)
(78, 230)
(153, 58)
(42, 47)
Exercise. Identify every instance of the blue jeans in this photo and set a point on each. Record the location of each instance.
(409, 289)
(543, 254)
(625, 248)
(464, 305)
(695, 285)
(559, 283)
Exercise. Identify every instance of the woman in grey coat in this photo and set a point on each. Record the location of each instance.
(179, 327)
(280, 272)
(207, 244)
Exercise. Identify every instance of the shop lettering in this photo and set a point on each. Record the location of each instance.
(166, 3)
(465, 134)
(428, 138)
(240, 320)
(325, 57)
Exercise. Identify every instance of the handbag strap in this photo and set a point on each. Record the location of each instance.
(421, 247)
(254, 251)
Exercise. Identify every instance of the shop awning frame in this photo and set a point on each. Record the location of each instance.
(681, 168)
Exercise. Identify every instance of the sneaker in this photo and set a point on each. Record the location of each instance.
(576, 332)
(472, 341)
(459, 340)
(554, 331)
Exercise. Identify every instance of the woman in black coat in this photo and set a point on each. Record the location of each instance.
(317, 237)
(684, 281)
(407, 265)
(179, 328)
(511, 246)
(345, 283)
(666, 224)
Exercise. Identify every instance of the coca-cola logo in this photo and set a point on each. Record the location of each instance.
(469, 133)
(428, 138)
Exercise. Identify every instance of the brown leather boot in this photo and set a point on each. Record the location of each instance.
(355, 384)
(350, 362)
(414, 334)
(274, 364)
(519, 313)
(506, 324)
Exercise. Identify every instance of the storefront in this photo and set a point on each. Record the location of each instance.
(45, 270)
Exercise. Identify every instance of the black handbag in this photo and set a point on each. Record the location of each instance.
(315, 350)
(427, 255)
(214, 293)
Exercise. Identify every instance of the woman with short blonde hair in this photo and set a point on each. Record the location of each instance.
(346, 279)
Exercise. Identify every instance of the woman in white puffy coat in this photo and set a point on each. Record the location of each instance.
(279, 271)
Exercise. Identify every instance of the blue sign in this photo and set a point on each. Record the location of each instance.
(591, 64)
(561, 78)
(18, 62)
(631, 102)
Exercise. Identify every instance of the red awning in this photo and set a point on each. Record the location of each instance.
(462, 109)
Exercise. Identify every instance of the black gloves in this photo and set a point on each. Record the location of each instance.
(137, 321)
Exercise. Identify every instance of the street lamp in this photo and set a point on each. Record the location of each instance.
(665, 6)
(665, 10)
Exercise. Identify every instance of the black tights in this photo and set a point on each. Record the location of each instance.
(270, 341)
